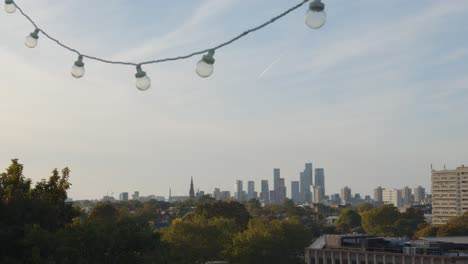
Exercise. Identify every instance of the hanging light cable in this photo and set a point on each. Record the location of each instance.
(315, 18)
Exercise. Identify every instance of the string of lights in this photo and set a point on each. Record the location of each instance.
(315, 18)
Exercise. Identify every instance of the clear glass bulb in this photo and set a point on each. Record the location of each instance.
(77, 71)
(10, 8)
(204, 69)
(30, 42)
(143, 83)
(315, 19)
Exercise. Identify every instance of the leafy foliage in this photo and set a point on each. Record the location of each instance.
(197, 238)
(268, 241)
(348, 221)
(388, 221)
(457, 226)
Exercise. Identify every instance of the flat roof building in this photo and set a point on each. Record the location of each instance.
(363, 249)
(449, 194)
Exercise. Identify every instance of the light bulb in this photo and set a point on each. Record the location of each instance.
(31, 39)
(205, 65)
(143, 82)
(10, 7)
(78, 69)
(316, 17)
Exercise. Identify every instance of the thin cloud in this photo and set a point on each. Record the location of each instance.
(183, 35)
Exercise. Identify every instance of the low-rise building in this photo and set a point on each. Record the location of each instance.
(363, 249)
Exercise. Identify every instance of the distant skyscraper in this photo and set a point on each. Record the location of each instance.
(346, 195)
(392, 196)
(407, 195)
(281, 194)
(278, 187)
(272, 197)
(378, 195)
(225, 195)
(192, 191)
(276, 177)
(320, 178)
(335, 198)
(306, 183)
(238, 191)
(295, 191)
(217, 194)
(265, 192)
(250, 190)
(123, 196)
(318, 194)
(136, 195)
(419, 194)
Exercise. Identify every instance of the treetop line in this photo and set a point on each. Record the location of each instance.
(315, 18)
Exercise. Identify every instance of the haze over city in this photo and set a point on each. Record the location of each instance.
(375, 97)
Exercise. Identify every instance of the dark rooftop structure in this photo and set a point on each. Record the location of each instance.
(365, 249)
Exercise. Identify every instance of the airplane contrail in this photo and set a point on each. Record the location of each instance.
(271, 65)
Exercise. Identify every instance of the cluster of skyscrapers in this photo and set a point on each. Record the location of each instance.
(449, 193)
(305, 190)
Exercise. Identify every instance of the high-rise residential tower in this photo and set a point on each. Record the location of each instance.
(392, 196)
(449, 194)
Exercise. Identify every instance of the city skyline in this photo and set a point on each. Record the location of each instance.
(374, 98)
(247, 191)
(258, 187)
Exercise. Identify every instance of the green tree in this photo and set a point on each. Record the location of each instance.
(364, 206)
(254, 207)
(427, 231)
(21, 206)
(409, 222)
(49, 207)
(457, 226)
(380, 221)
(103, 213)
(229, 210)
(197, 238)
(348, 220)
(272, 241)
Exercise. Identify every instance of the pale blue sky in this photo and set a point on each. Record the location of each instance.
(375, 96)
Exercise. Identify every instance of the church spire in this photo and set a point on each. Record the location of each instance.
(192, 192)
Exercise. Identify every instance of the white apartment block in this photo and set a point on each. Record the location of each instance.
(449, 194)
(392, 196)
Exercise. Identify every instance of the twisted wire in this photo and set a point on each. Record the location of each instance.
(182, 57)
